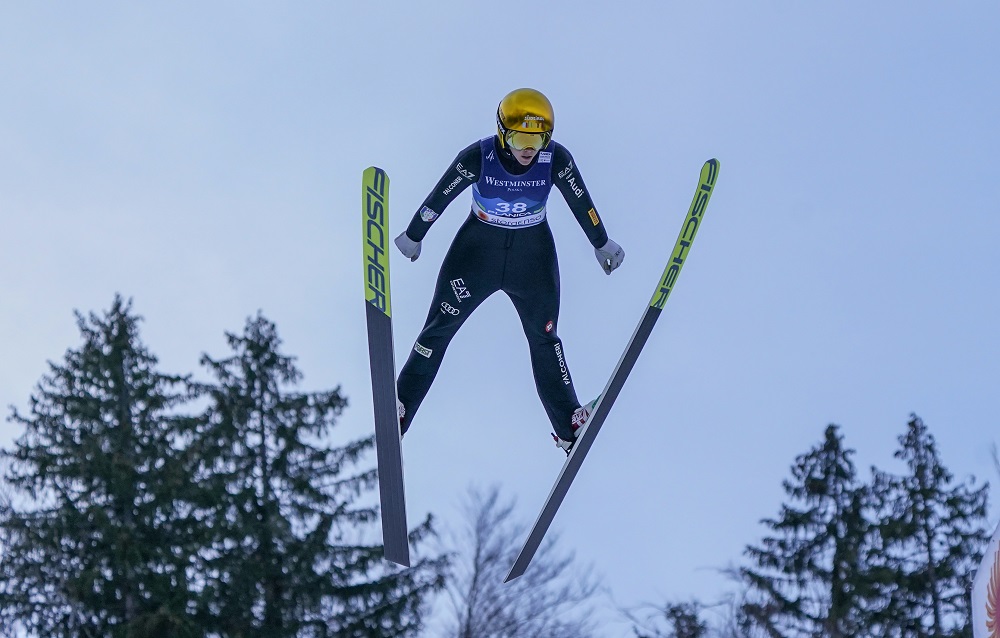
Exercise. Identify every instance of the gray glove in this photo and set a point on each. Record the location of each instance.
(610, 256)
(409, 248)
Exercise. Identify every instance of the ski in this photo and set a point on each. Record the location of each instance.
(709, 173)
(375, 238)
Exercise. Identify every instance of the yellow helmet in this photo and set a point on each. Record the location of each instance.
(525, 119)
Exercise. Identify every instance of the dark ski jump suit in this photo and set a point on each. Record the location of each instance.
(505, 244)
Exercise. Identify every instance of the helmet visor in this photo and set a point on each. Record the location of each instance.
(519, 140)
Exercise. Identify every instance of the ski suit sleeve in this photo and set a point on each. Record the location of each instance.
(462, 172)
(569, 182)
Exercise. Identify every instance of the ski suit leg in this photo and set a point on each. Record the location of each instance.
(469, 274)
(531, 280)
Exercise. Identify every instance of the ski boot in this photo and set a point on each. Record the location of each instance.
(578, 421)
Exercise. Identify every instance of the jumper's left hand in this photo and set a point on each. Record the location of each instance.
(610, 256)
(409, 248)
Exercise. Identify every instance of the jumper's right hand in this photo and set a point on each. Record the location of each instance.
(409, 248)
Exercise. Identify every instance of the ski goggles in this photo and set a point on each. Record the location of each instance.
(519, 140)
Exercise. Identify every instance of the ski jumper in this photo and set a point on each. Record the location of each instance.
(505, 244)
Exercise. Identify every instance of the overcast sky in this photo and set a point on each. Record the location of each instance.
(205, 160)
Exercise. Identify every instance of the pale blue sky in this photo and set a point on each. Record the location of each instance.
(205, 159)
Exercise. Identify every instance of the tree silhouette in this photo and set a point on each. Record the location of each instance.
(98, 532)
(287, 556)
(549, 600)
(931, 533)
(808, 577)
(123, 515)
(682, 620)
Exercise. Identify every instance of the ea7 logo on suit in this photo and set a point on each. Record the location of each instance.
(461, 292)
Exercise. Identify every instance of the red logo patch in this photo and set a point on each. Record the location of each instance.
(549, 326)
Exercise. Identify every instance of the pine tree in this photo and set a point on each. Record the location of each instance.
(96, 534)
(286, 558)
(808, 577)
(931, 533)
(683, 620)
